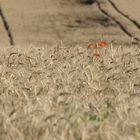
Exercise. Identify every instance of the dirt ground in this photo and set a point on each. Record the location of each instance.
(45, 21)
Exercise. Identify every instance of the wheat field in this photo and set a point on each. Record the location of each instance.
(63, 93)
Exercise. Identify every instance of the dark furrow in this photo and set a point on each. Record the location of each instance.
(6, 26)
(117, 22)
(130, 19)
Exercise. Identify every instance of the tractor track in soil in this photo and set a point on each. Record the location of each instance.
(6, 27)
(122, 27)
(120, 12)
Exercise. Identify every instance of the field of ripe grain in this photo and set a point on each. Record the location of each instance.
(63, 93)
(60, 87)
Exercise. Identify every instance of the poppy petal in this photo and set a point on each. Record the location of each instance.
(91, 45)
(102, 43)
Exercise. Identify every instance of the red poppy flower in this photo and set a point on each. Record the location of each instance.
(97, 54)
(91, 45)
(102, 43)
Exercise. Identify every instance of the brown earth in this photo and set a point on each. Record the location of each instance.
(46, 21)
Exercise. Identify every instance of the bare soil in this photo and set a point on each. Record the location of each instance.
(72, 22)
